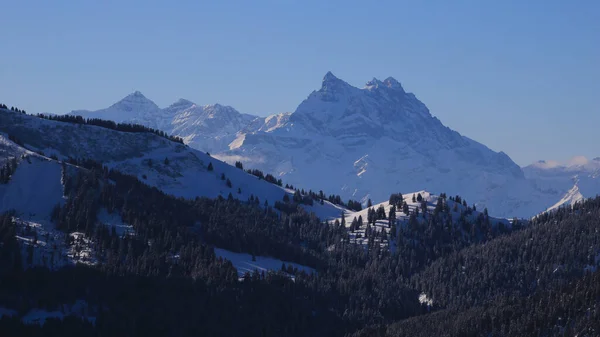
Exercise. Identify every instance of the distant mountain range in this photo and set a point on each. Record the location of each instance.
(364, 143)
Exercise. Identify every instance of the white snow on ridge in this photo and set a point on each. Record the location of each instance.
(358, 236)
(572, 181)
(573, 196)
(243, 263)
(171, 167)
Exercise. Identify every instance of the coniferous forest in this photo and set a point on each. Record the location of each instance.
(166, 280)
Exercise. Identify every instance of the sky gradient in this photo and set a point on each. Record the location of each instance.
(520, 77)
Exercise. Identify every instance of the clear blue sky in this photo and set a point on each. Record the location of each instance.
(519, 76)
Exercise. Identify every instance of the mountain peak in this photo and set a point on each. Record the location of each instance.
(329, 76)
(135, 102)
(135, 97)
(331, 82)
(374, 83)
(391, 82)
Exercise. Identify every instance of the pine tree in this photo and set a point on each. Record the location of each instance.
(414, 199)
(210, 166)
(392, 215)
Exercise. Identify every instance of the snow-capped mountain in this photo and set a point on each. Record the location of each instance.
(364, 143)
(368, 142)
(208, 128)
(576, 179)
(134, 107)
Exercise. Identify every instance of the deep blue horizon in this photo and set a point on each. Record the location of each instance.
(521, 78)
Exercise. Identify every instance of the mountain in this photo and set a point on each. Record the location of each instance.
(133, 108)
(368, 142)
(208, 128)
(172, 167)
(576, 179)
(364, 143)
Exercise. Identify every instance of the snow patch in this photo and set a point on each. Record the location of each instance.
(244, 263)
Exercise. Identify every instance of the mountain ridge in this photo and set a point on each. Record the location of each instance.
(378, 137)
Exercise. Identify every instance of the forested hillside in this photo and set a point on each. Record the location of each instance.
(541, 281)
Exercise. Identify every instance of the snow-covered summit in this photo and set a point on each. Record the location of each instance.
(131, 108)
(389, 83)
(365, 142)
(361, 143)
(205, 127)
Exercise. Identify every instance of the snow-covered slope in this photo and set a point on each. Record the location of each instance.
(209, 128)
(172, 167)
(246, 263)
(364, 143)
(574, 180)
(35, 186)
(358, 235)
(34, 189)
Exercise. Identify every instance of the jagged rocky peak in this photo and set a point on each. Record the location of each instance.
(374, 83)
(388, 83)
(391, 83)
(332, 83)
